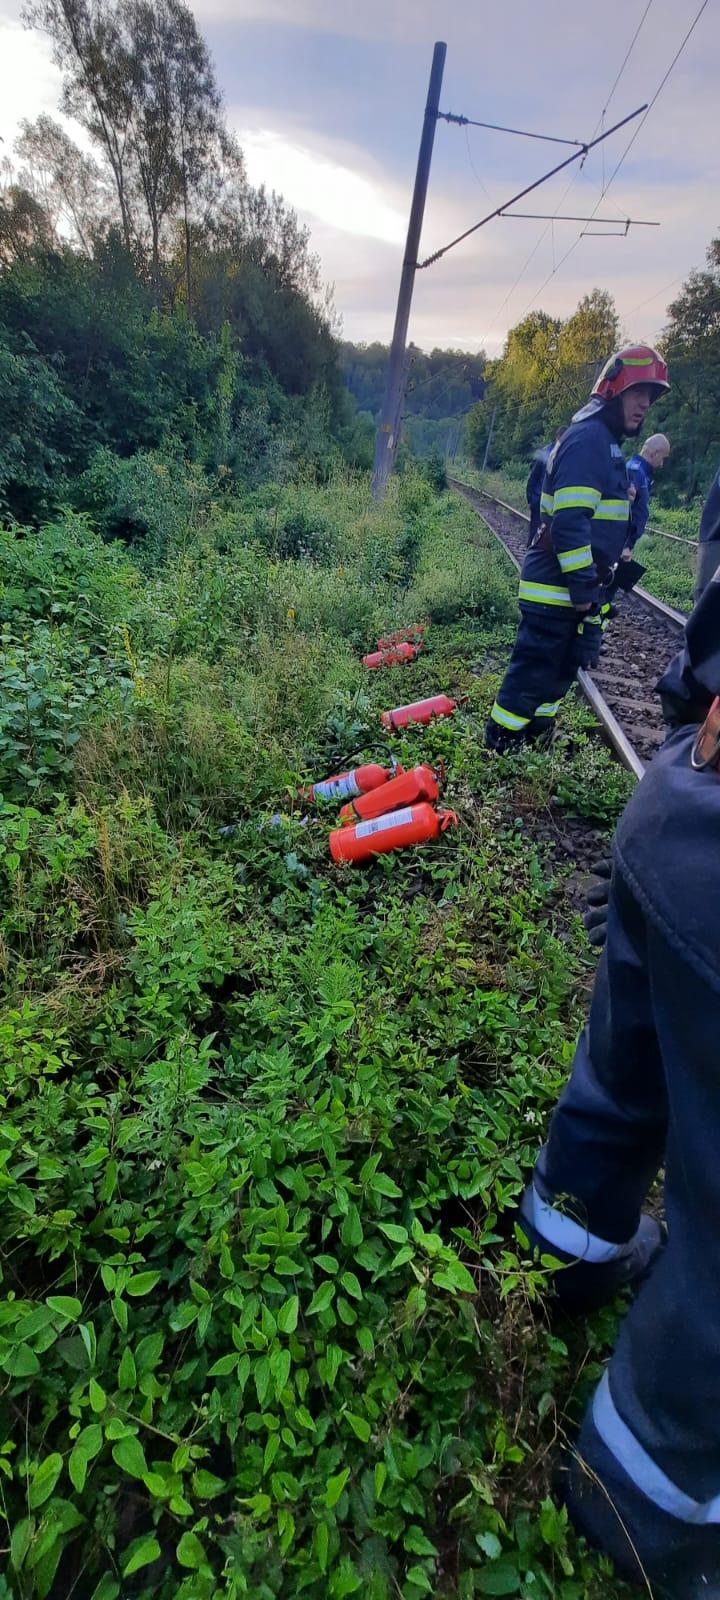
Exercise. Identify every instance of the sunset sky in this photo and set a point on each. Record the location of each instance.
(326, 97)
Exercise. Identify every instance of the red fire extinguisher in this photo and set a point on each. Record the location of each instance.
(420, 783)
(396, 830)
(347, 785)
(390, 657)
(415, 634)
(439, 705)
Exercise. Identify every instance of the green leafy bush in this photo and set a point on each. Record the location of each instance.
(264, 1330)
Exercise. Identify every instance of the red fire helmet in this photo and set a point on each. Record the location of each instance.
(636, 364)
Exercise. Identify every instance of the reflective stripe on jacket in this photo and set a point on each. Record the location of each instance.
(584, 501)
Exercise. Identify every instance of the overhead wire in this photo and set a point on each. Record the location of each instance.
(473, 168)
(625, 152)
(655, 296)
(605, 184)
(544, 231)
(550, 225)
(530, 188)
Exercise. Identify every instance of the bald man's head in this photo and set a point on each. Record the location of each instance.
(656, 450)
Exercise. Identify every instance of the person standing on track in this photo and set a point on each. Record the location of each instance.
(533, 488)
(641, 469)
(582, 534)
(708, 557)
(643, 1482)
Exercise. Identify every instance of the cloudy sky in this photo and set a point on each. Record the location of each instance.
(327, 98)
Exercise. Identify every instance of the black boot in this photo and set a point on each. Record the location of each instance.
(502, 740)
(540, 733)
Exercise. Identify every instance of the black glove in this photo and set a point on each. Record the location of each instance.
(586, 648)
(595, 918)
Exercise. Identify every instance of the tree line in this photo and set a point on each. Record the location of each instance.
(152, 299)
(441, 388)
(549, 365)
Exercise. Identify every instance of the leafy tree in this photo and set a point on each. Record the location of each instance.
(101, 79)
(544, 374)
(440, 391)
(23, 221)
(41, 431)
(689, 414)
(139, 78)
(178, 311)
(67, 184)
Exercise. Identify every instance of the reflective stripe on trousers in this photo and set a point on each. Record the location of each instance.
(508, 719)
(565, 1234)
(640, 1467)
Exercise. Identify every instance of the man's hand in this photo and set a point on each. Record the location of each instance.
(587, 642)
(584, 607)
(627, 554)
(632, 492)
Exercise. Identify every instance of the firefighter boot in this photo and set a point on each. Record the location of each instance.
(594, 1271)
(502, 740)
(541, 732)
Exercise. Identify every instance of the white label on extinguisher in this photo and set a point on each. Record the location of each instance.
(391, 819)
(338, 788)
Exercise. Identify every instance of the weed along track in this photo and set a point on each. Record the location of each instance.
(265, 1330)
(642, 639)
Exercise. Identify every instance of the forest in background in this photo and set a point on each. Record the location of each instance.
(442, 387)
(157, 312)
(549, 365)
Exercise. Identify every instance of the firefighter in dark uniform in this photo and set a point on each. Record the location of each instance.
(644, 1481)
(567, 572)
(708, 558)
(536, 479)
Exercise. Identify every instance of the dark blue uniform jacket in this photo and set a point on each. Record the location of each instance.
(584, 507)
(641, 474)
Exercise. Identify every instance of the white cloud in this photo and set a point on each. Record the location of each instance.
(338, 139)
(320, 187)
(29, 80)
(373, 19)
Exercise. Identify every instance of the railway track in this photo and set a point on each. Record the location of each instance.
(644, 636)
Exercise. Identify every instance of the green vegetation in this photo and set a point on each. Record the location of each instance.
(670, 566)
(548, 367)
(264, 1328)
(545, 373)
(157, 313)
(440, 391)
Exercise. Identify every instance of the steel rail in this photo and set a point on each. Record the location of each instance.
(643, 594)
(694, 543)
(607, 719)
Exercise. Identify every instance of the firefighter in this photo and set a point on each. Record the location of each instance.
(709, 553)
(641, 469)
(533, 487)
(644, 1481)
(582, 534)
